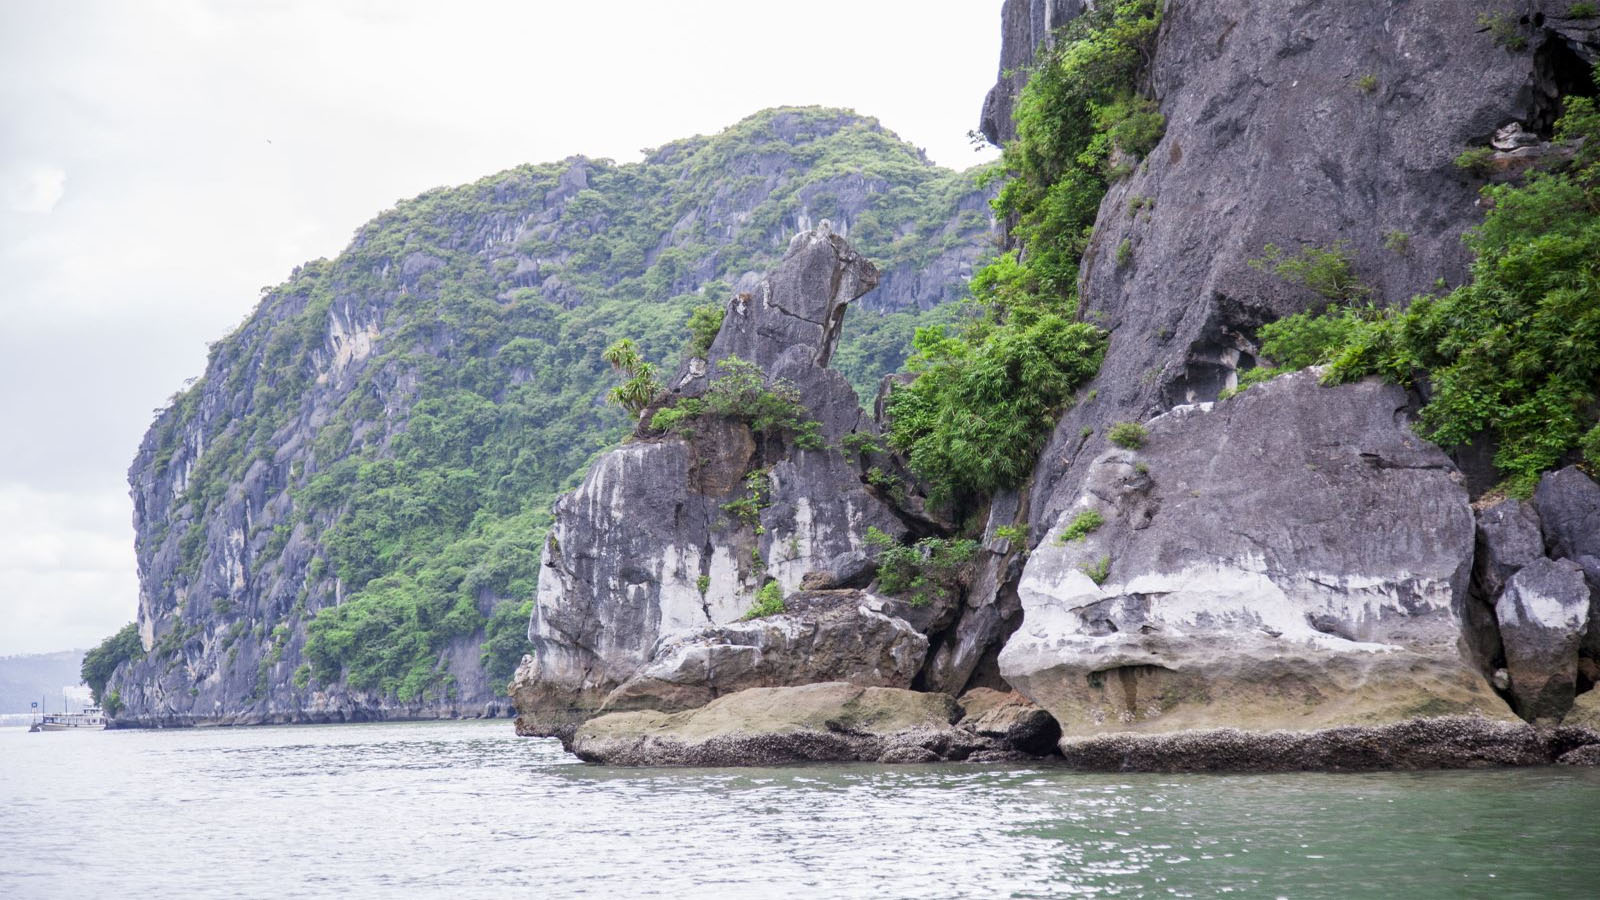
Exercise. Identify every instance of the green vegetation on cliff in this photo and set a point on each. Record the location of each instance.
(989, 390)
(99, 663)
(740, 391)
(1082, 122)
(425, 397)
(1514, 352)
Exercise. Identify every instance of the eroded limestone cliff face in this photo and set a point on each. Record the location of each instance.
(1272, 139)
(1293, 555)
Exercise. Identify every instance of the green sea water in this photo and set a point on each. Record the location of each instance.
(466, 809)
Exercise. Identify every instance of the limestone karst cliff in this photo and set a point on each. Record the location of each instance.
(1182, 556)
(1288, 124)
(343, 518)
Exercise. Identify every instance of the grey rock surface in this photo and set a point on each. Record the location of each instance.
(1449, 742)
(1508, 539)
(644, 550)
(1292, 557)
(1270, 140)
(1544, 613)
(848, 636)
(1568, 502)
(829, 722)
(967, 641)
(1025, 27)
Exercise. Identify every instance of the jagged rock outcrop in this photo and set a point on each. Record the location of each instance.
(834, 722)
(1543, 614)
(644, 550)
(1292, 557)
(1025, 27)
(790, 325)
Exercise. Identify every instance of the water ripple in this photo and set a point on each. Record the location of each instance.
(457, 809)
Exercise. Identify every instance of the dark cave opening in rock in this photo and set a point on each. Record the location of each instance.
(1558, 72)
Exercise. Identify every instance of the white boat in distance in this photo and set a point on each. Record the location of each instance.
(91, 718)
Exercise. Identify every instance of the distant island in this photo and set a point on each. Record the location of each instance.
(44, 678)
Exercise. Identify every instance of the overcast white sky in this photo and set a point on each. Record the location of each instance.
(161, 161)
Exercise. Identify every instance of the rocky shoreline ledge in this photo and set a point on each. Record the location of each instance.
(841, 722)
(827, 722)
(335, 714)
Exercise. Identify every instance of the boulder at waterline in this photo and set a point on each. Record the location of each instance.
(832, 721)
(1292, 557)
(1010, 717)
(849, 636)
(1543, 613)
(1587, 755)
(1584, 712)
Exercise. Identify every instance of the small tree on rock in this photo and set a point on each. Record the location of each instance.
(641, 386)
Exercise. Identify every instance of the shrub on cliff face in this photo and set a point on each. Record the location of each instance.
(1329, 271)
(984, 401)
(1081, 526)
(1515, 351)
(704, 323)
(742, 393)
(1128, 435)
(931, 569)
(639, 387)
(769, 601)
(99, 663)
(988, 390)
(1081, 121)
